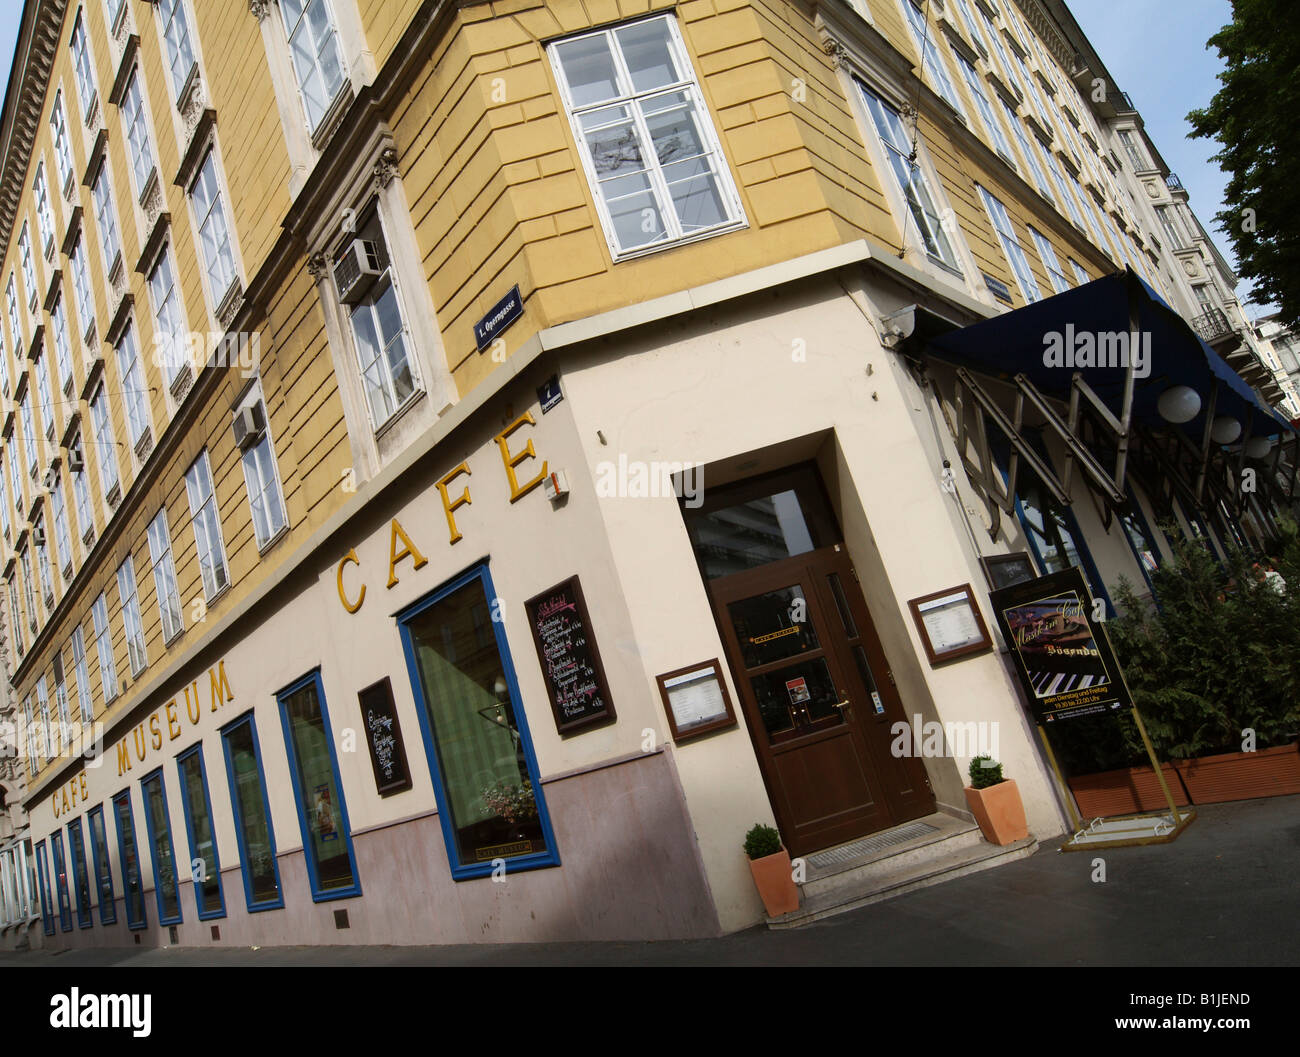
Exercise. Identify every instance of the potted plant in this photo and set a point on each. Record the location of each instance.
(769, 862)
(995, 802)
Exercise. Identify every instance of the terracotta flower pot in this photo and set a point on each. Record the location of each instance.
(999, 811)
(1126, 791)
(775, 883)
(1242, 775)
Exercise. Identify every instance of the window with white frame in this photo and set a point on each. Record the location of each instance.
(33, 742)
(44, 214)
(909, 178)
(164, 576)
(647, 142)
(15, 320)
(61, 691)
(62, 536)
(82, 65)
(81, 488)
(62, 350)
(29, 431)
(1058, 178)
(43, 560)
(114, 10)
(105, 443)
(81, 284)
(137, 133)
(6, 383)
(43, 706)
(17, 623)
(1011, 246)
(1060, 281)
(29, 273)
(81, 672)
(316, 55)
(214, 231)
(176, 36)
(29, 591)
(1080, 275)
(932, 61)
(1175, 237)
(15, 488)
(106, 218)
(131, 615)
(996, 135)
(1031, 158)
(104, 648)
(208, 543)
(262, 480)
(169, 326)
(1129, 140)
(379, 329)
(45, 392)
(4, 503)
(59, 133)
(134, 395)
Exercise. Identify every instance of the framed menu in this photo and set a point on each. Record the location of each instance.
(384, 738)
(1003, 570)
(566, 647)
(696, 700)
(950, 624)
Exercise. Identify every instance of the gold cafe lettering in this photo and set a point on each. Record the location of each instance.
(400, 545)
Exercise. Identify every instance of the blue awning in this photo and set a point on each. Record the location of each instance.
(1016, 342)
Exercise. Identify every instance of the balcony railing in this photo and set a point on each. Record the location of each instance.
(1173, 183)
(1213, 326)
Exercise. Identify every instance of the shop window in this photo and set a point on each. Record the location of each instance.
(126, 588)
(317, 58)
(198, 828)
(647, 142)
(490, 802)
(208, 543)
(80, 874)
(128, 856)
(100, 864)
(164, 577)
(159, 829)
(253, 827)
(909, 180)
(366, 282)
(1140, 539)
(322, 809)
(61, 882)
(43, 872)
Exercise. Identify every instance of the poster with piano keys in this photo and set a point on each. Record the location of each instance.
(1062, 655)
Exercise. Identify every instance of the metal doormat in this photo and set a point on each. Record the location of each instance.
(877, 842)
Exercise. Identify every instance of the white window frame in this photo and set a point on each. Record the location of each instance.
(135, 121)
(29, 431)
(170, 345)
(44, 210)
(43, 704)
(997, 135)
(81, 284)
(167, 590)
(137, 652)
(81, 672)
(1047, 254)
(81, 491)
(1017, 262)
(15, 317)
(29, 591)
(110, 239)
(104, 648)
(1079, 273)
(254, 461)
(345, 76)
(83, 66)
(931, 59)
(1026, 148)
(62, 347)
(5, 525)
(690, 86)
(62, 147)
(168, 11)
(62, 535)
(29, 270)
(217, 204)
(45, 391)
(135, 394)
(205, 519)
(43, 563)
(110, 473)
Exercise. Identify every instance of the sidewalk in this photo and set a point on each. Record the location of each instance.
(1224, 893)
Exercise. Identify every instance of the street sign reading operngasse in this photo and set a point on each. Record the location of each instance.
(1062, 656)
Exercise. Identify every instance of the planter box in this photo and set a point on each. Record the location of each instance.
(775, 883)
(1126, 791)
(999, 811)
(1242, 775)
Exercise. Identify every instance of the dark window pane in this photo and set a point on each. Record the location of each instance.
(318, 790)
(103, 872)
(750, 534)
(773, 626)
(164, 861)
(80, 876)
(134, 893)
(207, 882)
(250, 806)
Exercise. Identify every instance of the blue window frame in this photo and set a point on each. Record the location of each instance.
(253, 828)
(158, 827)
(461, 674)
(80, 875)
(61, 882)
(204, 861)
(1140, 539)
(43, 871)
(318, 790)
(100, 864)
(129, 856)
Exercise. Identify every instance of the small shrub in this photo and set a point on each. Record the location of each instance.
(762, 841)
(984, 774)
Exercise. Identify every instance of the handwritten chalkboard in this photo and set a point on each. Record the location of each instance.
(384, 738)
(566, 647)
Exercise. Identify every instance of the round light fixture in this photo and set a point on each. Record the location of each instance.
(1225, 430)
(1258, 447)
(1179, 404)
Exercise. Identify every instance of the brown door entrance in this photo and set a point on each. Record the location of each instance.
(813, 681)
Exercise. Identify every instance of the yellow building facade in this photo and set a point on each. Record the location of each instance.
(352, 347)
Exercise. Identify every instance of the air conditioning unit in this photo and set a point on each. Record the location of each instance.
(249, 425)
(356, 269)
(38, 535)
(76, 461)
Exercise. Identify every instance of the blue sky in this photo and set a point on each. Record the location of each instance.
(1155, 50)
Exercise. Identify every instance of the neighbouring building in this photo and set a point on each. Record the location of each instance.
(465, 463)
(1280, 346)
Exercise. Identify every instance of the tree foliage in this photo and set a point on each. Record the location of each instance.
(1253, 117)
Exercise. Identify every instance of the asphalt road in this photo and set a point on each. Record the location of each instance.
(1223, 894)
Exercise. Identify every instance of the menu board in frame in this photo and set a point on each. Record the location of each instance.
(384, 738)
(696, 700)
(566, 647)
(950, 624)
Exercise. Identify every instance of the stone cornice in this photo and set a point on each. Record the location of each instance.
(38, 42)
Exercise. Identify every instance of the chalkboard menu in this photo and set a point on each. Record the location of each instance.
(384, 738)
(566, 646)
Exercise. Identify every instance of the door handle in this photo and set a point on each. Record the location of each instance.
(842, 704)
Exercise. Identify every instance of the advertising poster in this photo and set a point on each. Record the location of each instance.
(1061, 654)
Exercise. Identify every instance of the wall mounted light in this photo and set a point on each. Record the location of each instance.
(1179, 404)
(1225, 430)
(1258, 447)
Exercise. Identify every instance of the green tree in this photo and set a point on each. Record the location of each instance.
(1253, 117)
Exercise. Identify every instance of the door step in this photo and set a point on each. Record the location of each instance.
(890, 864)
